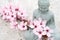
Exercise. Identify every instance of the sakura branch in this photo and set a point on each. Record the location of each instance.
(41, 30)
(18, 19)
(11, 13)
(37, 22)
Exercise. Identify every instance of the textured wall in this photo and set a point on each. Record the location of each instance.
(29, 5)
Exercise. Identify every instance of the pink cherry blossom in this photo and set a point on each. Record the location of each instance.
(31, 24)
(22, 26)
(14, 24)
(34, 23)
(38, 22)
(11, 12)
(48, 31)
(38, 31)
(43, 23)
(43, 31)
(22, 15)
(41, 28)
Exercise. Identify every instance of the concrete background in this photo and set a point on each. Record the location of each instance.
(7, 33)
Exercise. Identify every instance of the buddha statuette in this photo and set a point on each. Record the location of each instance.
(44, 13)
